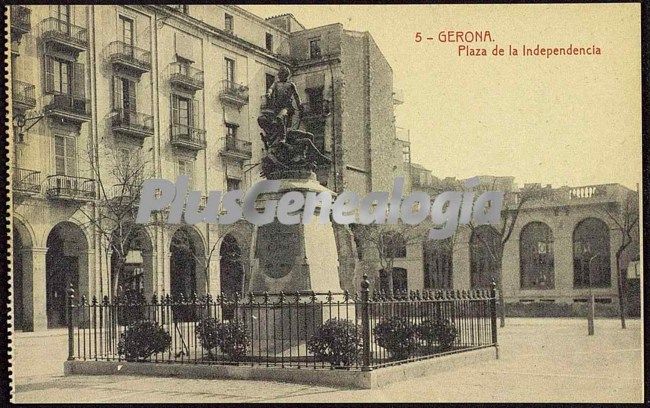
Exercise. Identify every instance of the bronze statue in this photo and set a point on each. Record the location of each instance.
(287, 148)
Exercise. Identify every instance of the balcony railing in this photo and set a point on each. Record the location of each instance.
(69, 107)
(129, 57)
(26, 180)
(316, 111)
(187, 136)
(64, 35)
(586, 192)
(23, 94)
(70, 187)
(133, 123)
(185, 76)
(237, 147)
(234, 93)
(21, 19)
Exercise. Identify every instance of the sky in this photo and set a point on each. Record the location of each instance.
(563, 120)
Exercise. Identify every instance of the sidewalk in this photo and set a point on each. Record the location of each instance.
(543, 360)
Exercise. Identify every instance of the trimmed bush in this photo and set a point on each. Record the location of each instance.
(337, 341)
(440, 332)
(397, 335)
(143, 339)
(230, 337)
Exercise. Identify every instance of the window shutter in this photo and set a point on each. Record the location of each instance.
(59, 155)
(132, 97)
(71, 156)
(174, 105)
(49, 73)
(117, 93)
(195, 113)
(78, 80)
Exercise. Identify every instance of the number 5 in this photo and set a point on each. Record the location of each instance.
(418, 37)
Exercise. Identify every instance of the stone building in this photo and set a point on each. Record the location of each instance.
(176, 90)
(544, 259)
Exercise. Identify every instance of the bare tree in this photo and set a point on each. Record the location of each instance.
(389, 241)
(625, 215)
(510, 210)
(118, 185)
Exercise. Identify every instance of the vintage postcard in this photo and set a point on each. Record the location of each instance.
(325, 203)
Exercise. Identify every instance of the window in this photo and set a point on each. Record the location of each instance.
(485, 241)
(394, 245)
(316, 101)
(438, 264)
(65, 155)
(229, 23)
(127, 30)
(536, 263)
(230, 71)
(231, 131)
(269, 42)
(64, 77)
(186, 168)
(184, 111)
(270, 79)
(63, 12)
(314, 48)
(124, 98)
(591, 254)
(58, 76)
(394, 281)
(124, 159)
(232, 184)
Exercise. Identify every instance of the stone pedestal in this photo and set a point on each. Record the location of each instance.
(291, 259)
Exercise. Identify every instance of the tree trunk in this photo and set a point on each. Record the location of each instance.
(116, 277)
(502, 305)
(621, 292)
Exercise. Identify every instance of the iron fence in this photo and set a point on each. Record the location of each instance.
(280, 329)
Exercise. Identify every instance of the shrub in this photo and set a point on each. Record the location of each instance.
(337, 341)
(142, 339)
(439, 331)
(230, 337)
(397, 335)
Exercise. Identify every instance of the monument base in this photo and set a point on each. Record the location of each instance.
(293, 259)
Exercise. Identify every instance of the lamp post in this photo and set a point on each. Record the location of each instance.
(590, 313)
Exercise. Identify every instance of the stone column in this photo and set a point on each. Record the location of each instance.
(34, 289)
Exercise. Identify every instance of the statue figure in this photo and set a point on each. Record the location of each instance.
(287, 148)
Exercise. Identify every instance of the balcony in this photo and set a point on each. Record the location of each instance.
(316, 111)
(68, 108)
(187, 137)
(236, 148)
(128, 58)
(134, 124)
(23, 95)
(26, 181)
(186, 77)
(21, 21)
(62, 36)
(233, 93)
(70, 188)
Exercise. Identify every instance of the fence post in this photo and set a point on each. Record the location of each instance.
(70, 300)
(365, 322)
(493, 314)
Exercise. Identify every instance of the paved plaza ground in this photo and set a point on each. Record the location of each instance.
(545, 360)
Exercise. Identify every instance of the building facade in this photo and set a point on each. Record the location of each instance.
(556, 237)
(101, 93)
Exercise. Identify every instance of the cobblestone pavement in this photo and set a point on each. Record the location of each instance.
(545, 360)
